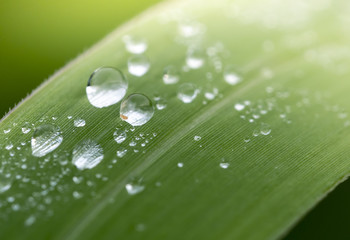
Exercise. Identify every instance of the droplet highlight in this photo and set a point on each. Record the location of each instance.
(187, 92)
(138, 65)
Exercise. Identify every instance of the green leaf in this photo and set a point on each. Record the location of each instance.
(252, 174)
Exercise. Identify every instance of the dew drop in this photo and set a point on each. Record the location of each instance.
(26, 128)
(79, 122)
(106, 86)
(161, 104)
(87, 154)
(138, 65)
(137, 109)
(265, 129)
(180, 164)
(30, 220)
(9, 146)
(119, 135)
(171, 75)
(224, 165)
(134, 187)
(5, 183)
(136, 45)
(45, 139)
(239, 107)
(6, 131)
(231, 76)
(121, 153)
(197, 138)
(187, 92)
(195, 58)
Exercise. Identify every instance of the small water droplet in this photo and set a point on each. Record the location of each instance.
(197, 138)
(87, 154)
(77, 195)
(180, 164)
(224, 165)
(26, 128)
(134, 187)
(256, 132)
(161, 104)
(265, 129)
(140, 227)
(137, 109)
(9, 146)
(45, 139)
(171, 75)
(79, 122)
(138, 65)
(134, 44)
(231, 76)
(5, 183)
(6, 131)
(187, 92)
(239, 107)
(195, 58)
(119, 135)
(106, 86)
(121, 152)
(30, 220)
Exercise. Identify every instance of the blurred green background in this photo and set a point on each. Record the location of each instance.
(37, 37)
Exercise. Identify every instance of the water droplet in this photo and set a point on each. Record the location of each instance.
(77, 195)
(30, 220)
(239, 107)
(106, 86)
(161, 104)
(45, 139)
(197, 138)
(171, 75)
(26, 128)
(265, 129)
(224, 165)
(134, 187)
(140, 227)
(195, 58)
(5, 183)
(119, 135)
(87, 154)
(135, 44)
(256, 132)
(9, 146)
(79, 122)
(138, 65)
(6, 131)
(180, 164)
(231, 76)
(121, 153)
(187, 92)
(210, 95)
(137, 109)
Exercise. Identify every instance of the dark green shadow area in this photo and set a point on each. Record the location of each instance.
(330, 219)
(38, 37)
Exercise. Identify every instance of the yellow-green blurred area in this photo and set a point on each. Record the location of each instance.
(37, 37)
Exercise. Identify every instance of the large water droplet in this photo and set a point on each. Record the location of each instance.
(5, 183)
(119, 135)
(138, 65)
(171, 75)
(187, 92)
(45, 139)
(231, 76)
(137, 109)
(135, 44)
(195, 58)
(87, 154)
(106, 86)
